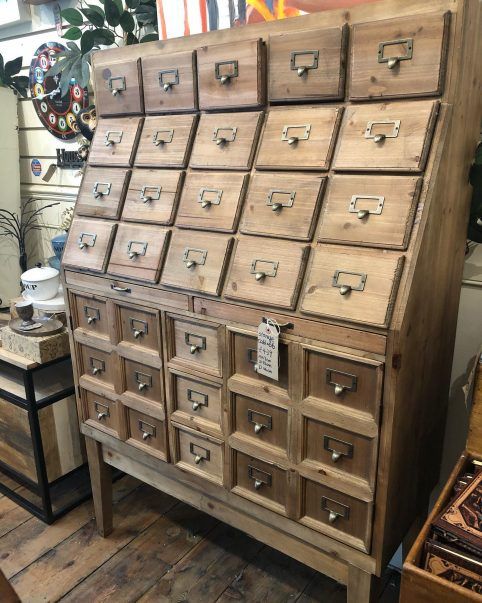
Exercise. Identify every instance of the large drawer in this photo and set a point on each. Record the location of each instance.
(115, 141)
(102, 192)
(197, 453)
(118, 87)
(89, 244)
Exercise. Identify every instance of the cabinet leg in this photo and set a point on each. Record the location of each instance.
(362, 587)
(101, 479)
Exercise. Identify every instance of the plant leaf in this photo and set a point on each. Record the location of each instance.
(73, 47)
(67, 75)
(93, 16)
(73, 33)
(104, 37)
(132, 3)
(87, 41)
(112, 13)
(2, 69)
(13, 67)
(72, 16)
(20, 83)
(59, 66)
(84, 80)
(120, 6)
(152, 37)
(131, 39)
(127, 22)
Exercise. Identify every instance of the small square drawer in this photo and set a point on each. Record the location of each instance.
(118, 87)
(170, 82)
(336, 514)
(195, 345)
(166, 141)
(232, 75)
(307, 65)
(102, 192)
(197, 261)
(89, 244)
(282, 205)
(260, 422)
(147, 433)
(103, 413)
(299, 138)
(373, 212)
(98, 365)
(262, 482)
(399, 57)
(115, 141)
(386, 136)
(142, 381)
(347, 381)
(267, 272)
(197, 453)
(210, 201)
(139, 326)
(226, 140)
(354, 285)
(89, 312)
(138, 252)
(152, 196)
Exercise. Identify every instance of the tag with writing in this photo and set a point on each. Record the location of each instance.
(268, 354)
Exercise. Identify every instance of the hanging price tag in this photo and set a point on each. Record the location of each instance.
(268, 349)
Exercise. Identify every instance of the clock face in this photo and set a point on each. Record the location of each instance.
(58, 114)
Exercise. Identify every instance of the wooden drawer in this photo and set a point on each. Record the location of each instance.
(166, 141)
(226, 140)
(115, 141)
(267, 272)
(354, 285)
(210, 201)
(197, 261)
(89, 244)
(147, 433)
(139, 327)
(98, 365)
(232, 75)
(103, 413)
(308, 65)
(282, 205)
(170, 83)
(373, 212)
(299, 138)
(399, 57)
(198, 453)
(138, 252)
(386, 136)
(142, 381)
(195, 345)
(89, 312)
(336, 514)
(102, 192)
(349, 382)
(152, 196)
(262, 482)
(118, 87)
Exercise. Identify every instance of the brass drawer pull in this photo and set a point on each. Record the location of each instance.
(102, 410)
(346, 288)
(150, 193)
(194, 257)
(253, 358)
(393, 61)
(136, 249)
(364, 213)
(259, 273)
(86, 240)
(113, 137)
(143, 380)
(101, 189)
(197, 402)
(339, 387)
(138, 327)
(120, 289)
(147, 430)
(162, 137)
(117, 84)
(335, 446)
(206, 203)
(166, 83)
(222, 140)
(96, 366)
(334, 509)
(380, 137)
(225, 78)
(260, 478)
(260, 421)
(293, 140)
(303, 69)
(92, 314)
(195, 342)
(289, 199)
(199, 453)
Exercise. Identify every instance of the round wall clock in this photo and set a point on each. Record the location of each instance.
(57, 113)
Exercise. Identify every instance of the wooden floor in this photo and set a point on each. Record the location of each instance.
(160, 550)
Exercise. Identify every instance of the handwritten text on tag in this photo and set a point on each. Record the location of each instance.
(268, 354)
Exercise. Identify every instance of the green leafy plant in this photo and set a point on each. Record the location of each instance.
(9, 77)
(93, 27)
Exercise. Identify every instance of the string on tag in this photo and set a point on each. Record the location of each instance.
(271, 322)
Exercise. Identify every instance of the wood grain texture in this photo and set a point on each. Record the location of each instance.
(474, 438)
(125, 78)
(102, 192)
(89, 244)
(115, 141)
(198, 453)
(147, 433)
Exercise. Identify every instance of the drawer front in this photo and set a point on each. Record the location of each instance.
(199, 454)
(147, 433)
(387, 136)
(139, 327)
(138, 252)
(299, 138)
(102, 192)
(115, 141)
(307, 65)
(198, 399)
(336, 514)
(152, 196)
(170, 82)
(103, 413)
(373, 212)
(143, 381)
(89, 244)
(166, 141)
(262, 482)
(197, 261)
(118, 88)
(352, 285)
(226, 140)
(196, 345)
(265, 424)
(343, 380)
(210, 201)
(89, 312)
(267, 273)
(399, 57)
(231, 75)
(282, 205)
(99, 365)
